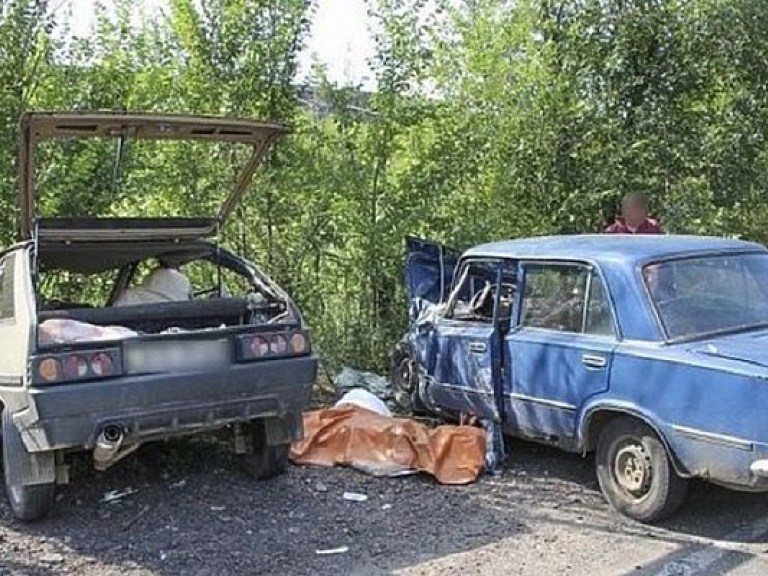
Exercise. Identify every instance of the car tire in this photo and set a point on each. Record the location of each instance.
(28, 503)
(405, 380)
(635, 472)
(264, 461)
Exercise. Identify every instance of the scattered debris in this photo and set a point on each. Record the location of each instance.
(340, 550)
(386, 506)
(218, 508)
(180, 484)
(320, 487)
(136, 518)
(355, 497)
(348, 379)
(52, 558)
(364, 399)
(114, 496)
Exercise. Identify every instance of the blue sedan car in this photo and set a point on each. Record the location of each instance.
(650, 351)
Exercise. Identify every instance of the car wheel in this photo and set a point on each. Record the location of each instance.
(404, 375)
(635, 472)
(264, 461)
(28, 503)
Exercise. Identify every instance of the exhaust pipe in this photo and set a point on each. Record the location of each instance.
(108, 444)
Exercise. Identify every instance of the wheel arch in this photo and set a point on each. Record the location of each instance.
(595, 419)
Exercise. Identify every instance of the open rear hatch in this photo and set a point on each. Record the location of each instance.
(38, 127)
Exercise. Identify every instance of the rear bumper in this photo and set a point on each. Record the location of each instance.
(166, 405)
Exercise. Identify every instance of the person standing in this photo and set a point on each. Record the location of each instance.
(634, 217)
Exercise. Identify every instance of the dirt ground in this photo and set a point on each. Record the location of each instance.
(185, 508)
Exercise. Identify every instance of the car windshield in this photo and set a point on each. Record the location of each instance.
(702, 296)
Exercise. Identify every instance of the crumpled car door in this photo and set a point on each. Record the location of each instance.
(467, 370)
(429, 269)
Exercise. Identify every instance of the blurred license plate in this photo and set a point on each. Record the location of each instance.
(142, 357)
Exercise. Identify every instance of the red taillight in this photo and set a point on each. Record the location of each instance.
(273, 345)
(75, 366)
(101, 364)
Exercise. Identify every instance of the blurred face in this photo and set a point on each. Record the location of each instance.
(634, 211)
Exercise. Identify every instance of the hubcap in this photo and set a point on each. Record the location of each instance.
(632, 468)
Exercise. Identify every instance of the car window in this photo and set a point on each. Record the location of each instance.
(65, 289)
(554, 297)
(205, 277)
(599, 316)
(474, 292)
(6, 287)
(705, 295)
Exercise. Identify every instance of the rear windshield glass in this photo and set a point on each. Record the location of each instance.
(697, 297)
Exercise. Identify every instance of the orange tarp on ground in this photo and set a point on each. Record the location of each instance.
(381, 445)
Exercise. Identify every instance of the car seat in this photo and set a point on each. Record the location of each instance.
(162, 285)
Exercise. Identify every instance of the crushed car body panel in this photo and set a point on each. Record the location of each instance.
(429, 268)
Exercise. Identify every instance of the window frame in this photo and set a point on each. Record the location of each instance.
(593, 270)
(456, 286)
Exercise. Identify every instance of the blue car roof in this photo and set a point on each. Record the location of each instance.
(598, 248)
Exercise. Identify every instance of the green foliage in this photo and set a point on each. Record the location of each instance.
(492, 119)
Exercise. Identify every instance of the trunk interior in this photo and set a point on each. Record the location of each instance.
(158, 317)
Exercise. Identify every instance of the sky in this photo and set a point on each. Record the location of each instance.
(339, 37)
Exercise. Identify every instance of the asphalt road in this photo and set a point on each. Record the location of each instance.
(186, 509)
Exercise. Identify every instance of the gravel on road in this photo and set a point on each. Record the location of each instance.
(185, 508)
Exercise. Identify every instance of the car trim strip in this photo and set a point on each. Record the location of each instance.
(713, 437)
(519, 397)
(542, 401)
(11, 380)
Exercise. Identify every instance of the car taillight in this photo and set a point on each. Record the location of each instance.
(299, 343)
(278, 344)
(259, 347)
(76, 366)
(273, 345)
(101, 364)
(49, 369)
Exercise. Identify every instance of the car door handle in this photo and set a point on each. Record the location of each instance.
(593, 361)
(477, 347)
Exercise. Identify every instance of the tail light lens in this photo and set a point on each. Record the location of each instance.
(49, 369)
(278, 344)
(101, 364)
(299, 343)
(76, 366)
(259, 347)
(274, 345)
